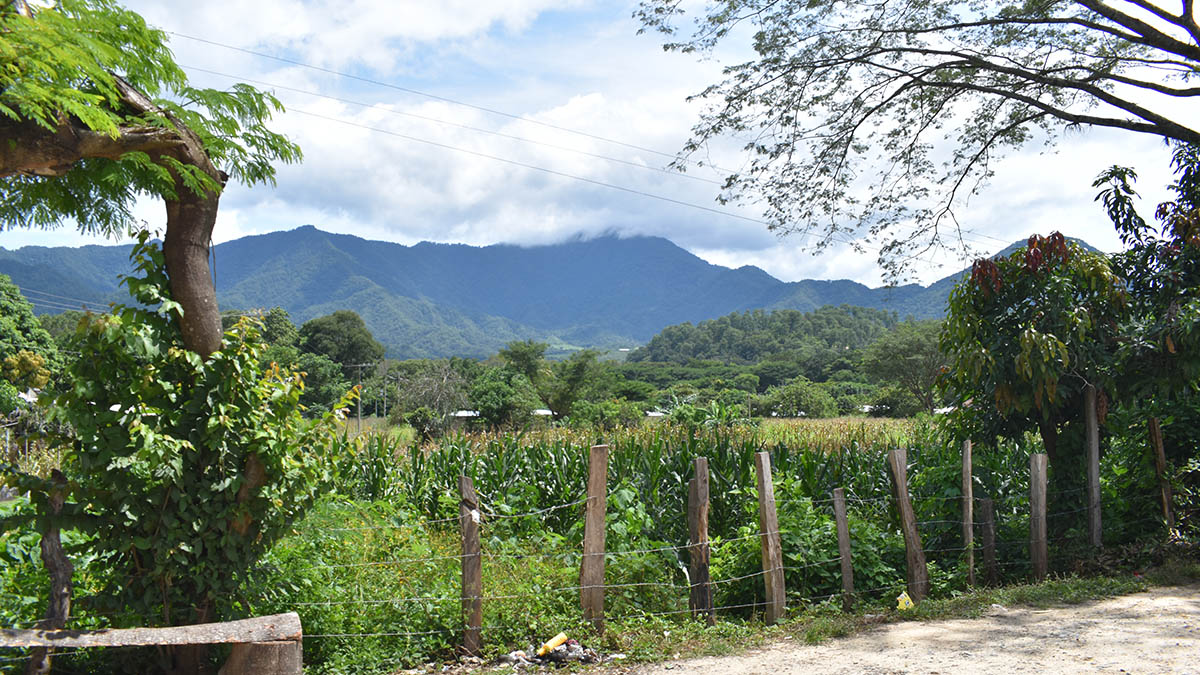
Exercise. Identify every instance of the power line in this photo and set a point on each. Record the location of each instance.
(526, 165)
(416, 92)
(26, 289)
(592, 181)
(45, 304)
(502, 113)
(468, 127)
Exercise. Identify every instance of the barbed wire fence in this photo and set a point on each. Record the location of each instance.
(668, 595)
(672, 592)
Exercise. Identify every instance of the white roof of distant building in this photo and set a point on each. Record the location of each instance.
(466, 413)
(543, 412)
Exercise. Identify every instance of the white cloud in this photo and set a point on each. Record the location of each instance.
(578, 65)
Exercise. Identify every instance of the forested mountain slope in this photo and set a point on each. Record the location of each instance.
(457, 300)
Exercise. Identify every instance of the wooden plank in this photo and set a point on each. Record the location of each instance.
(258, 629)
(968, 511)
(1095, 534)
(1037, 516)
(265, 658)
(1160, 468)
(591, 570)
(772, 552)
(698, 549)
(987, 531)
(918, 574)
(472, 567)
(843, 535)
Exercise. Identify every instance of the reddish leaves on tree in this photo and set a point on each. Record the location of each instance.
(1043, 251)
(985, 275)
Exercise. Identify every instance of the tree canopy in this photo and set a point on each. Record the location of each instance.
(1160, 352)
(21, 333)
(343, 337)
(909, 356)
(94, 112)
(1025, 334)
(844, 103)
(749, 337)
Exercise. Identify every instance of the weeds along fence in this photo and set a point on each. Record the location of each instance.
(490, 542)
(479, 543)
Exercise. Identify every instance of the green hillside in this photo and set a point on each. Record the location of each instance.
(432, 300)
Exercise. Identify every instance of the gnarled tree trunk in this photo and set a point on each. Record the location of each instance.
(29, 149)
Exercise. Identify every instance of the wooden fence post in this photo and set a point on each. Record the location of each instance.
(591, 570)
(968, 511)
(987, 527)
(918, 574)
(772, 553)
(843, 535)
(1095, 535)
(700, 597)
(472, 567)
(1037, 516)
(60, 569)
(1160, 468)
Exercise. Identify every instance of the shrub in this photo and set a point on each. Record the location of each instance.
(183, 470)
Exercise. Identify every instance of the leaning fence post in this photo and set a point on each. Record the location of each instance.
(918, 575)
(700, 597)
(1093, 452)
(987, 528)
(843, 535)
(1037, 516)
(968, 511)
(772, 553)
(472, 568)
(591, 570)
(1160, 469)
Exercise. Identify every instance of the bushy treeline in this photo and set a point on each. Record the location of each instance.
(750, 337)
(829, 362)
(839, 361)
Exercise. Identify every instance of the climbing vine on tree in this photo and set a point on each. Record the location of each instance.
(185, 469)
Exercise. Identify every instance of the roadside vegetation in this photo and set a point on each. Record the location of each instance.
(201, 467)
(356, 522)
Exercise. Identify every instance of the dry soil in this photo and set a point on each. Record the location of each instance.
(1153, 632)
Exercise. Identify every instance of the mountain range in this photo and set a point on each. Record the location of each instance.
(433, 300)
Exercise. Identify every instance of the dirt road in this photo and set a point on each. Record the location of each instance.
(1153, 632)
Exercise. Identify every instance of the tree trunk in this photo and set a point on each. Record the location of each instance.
(190, 222)
(28, 149)
(1049, 438)
(60, 569)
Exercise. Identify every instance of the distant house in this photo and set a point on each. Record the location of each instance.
(543, 412)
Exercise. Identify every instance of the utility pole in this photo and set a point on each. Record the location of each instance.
(360, 395)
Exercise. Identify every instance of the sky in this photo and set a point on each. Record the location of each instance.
(570, 120)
